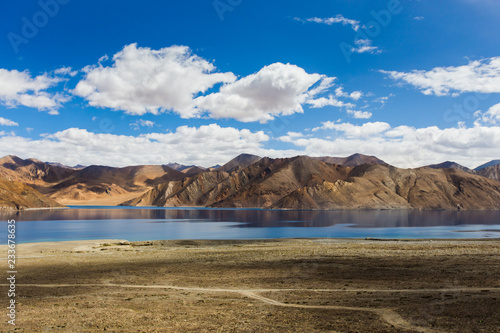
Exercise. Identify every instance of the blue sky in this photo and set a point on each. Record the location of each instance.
(198, 82)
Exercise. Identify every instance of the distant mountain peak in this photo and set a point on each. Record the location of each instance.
(352, 160)
(450, 165)
(489, 164)
(242, 160)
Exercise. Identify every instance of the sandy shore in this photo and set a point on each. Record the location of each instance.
(296, 285)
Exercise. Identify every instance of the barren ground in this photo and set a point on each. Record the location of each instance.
(298, 285)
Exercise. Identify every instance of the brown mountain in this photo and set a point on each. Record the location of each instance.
(90, 185)
(383, 187)
(351, 161)
(16, 196)
(32, 171)
(309, 183)
(240, 161)
(193, 170)
(250, 181)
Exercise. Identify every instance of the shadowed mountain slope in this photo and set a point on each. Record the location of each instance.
(69, 185)
(451, 165)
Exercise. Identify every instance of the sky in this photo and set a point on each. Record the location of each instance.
(198, 82)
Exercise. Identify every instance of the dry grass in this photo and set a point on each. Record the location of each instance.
(259, 286)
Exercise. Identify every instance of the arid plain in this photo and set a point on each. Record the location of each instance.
(294, 285)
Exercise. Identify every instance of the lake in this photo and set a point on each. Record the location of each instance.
(153, 223)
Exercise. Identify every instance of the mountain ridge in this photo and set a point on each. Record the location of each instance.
(307, 183)
(252, 181)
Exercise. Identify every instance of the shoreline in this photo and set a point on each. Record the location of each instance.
(258, 240)
(82, 245)
(281, 209)
(31, 209)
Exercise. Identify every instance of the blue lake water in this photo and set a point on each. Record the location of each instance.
(136, 224)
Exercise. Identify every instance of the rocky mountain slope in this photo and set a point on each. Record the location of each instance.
(16, 196)
(90, 184)
(354, 182)
(308, 183)
(492, 172)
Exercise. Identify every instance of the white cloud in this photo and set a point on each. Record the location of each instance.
(477, 76)
(206, 145)
(142, 123)
(20, 88)
(294, 134)
(325, 84)
(490, 117)
(406, 146)
(383, 100)
(277, 89)
(7, 122)
(332, 101)
(365, 46)
(360, 114)
(147, 123)
(419, 18)
(350, 130)
(355, 95)
(143, 80)
(355, 25)
(66, 71)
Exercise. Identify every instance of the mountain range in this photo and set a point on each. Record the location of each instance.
(302, 182)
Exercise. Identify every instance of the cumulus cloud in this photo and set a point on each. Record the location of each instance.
(21, 88)
(143, 80)
(481, 76)
(360, 114)
(355, 25)
(7, 122)
(490, 117)
(277, 89)
(405, 146)
(206, 145)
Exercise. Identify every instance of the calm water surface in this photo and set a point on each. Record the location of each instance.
(135, 224)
